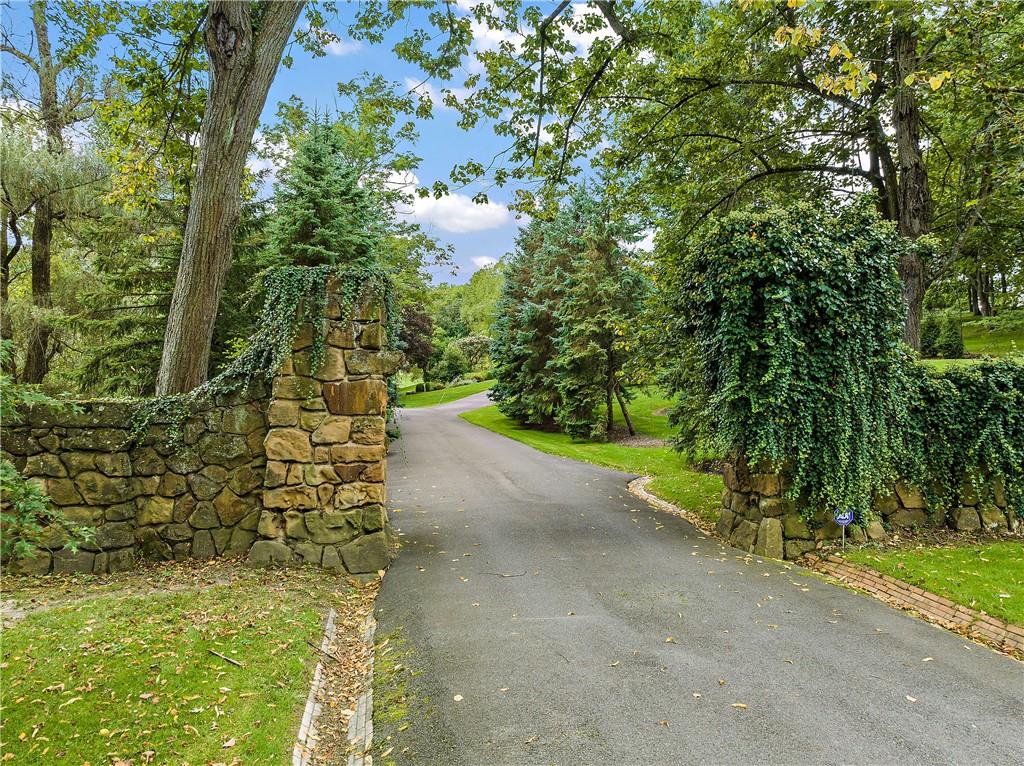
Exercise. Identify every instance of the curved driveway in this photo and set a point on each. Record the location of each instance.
(579, 626)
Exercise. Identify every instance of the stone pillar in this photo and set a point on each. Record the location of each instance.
(323, 489)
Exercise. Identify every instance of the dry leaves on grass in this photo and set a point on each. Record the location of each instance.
(346, 672)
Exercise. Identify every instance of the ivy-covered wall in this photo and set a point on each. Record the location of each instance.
(288, 471)
(786, 332)
(758, 517)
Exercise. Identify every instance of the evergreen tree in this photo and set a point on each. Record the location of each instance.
(523, 334)
(950, 343)
(566, 321)
(602, 297)
(322, 213)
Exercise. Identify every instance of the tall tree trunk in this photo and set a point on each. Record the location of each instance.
(243, 62)
(985, 290)
(915, 200)
(7, 255)
(625, 411)
(37, 358)
(608, 388)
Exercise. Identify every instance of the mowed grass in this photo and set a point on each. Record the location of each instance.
(128, 677)
(444, 395)
(674, 481)
(988, 577)
(998, 341)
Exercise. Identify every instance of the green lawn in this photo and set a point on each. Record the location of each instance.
(987, 577)
(1000, 341)
(692, 490)
(430, 398)
(123, 676)
(945, 364)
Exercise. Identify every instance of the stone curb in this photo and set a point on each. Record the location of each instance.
(360, 725)
(984, 628)
(639, 488)
(305, 743)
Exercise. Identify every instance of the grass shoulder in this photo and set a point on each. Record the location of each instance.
(674, 480)
(169, 665)
(988, 577)
(444, 395)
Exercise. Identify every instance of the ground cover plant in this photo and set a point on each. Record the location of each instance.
(674, 479)
(444, 395)
(183, 663)
(811, 375)
(988, 577)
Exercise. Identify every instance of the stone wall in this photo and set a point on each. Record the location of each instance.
(757, 517)
(292, 471)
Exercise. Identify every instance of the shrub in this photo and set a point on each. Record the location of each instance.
(27, 519)
(420, 388)
(476, 348)
(930, 329)
(950, 343)
(435, 385)
(453, 364)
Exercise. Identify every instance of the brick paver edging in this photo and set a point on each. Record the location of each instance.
(305, 743)
(360, 725)
(983, 627)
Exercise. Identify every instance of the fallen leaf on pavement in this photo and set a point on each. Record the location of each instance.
(739, 706)
(457, 698)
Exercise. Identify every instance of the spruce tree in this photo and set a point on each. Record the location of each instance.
(601, 299)
(566, 319)
(322, 213)
(522, 334)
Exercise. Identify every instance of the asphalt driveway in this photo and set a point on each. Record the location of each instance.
(553, 618)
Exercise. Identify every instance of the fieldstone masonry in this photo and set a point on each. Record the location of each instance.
(288, 472)
(757, 517)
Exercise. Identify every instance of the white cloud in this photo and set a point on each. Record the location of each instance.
(583, 40)
(427, 88)
(342, 47)
(456, 213)
(647, 243)
(483, 261)
(267, 158)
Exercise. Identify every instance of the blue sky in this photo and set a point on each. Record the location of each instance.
(480, 234)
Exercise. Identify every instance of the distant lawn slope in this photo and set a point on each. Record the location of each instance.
(995, 337)
(988, 577)
(674, 481)
(444, 395)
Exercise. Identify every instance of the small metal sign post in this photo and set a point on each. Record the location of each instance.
(844, 519)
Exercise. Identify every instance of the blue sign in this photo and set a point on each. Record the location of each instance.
(844, 518)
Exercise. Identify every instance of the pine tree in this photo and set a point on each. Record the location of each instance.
(322, 213)
(522, 334)
(602, 297)
(566, 319)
